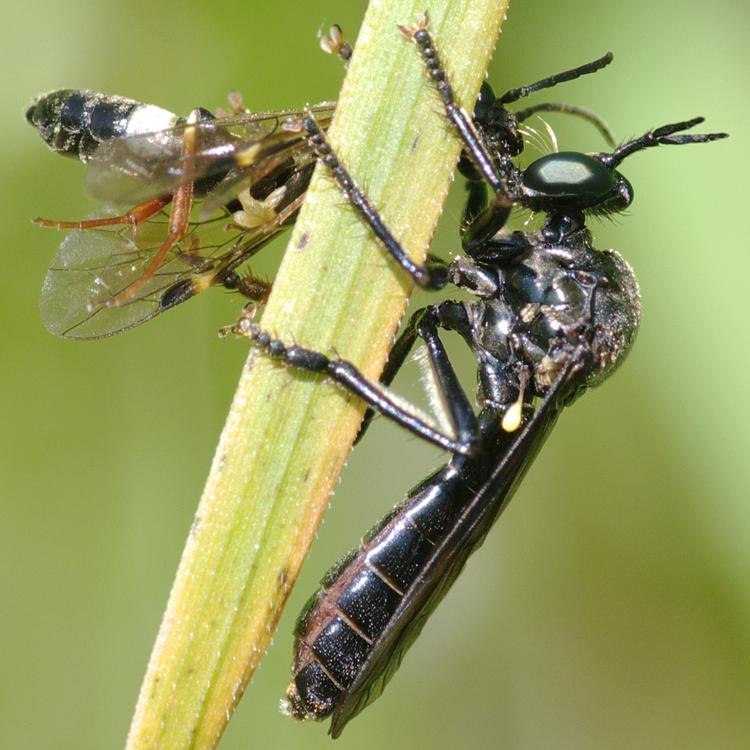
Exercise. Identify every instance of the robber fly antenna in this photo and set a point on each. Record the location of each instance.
(663, 136)
(513, 95)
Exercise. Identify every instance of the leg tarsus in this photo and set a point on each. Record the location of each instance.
(426, 276)
(347, 376)
(484, 222)
(461, 121)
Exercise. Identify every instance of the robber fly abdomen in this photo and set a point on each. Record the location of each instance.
(358, 598)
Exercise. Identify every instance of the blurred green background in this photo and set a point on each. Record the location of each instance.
(610, 608)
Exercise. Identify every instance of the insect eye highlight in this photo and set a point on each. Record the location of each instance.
(574, 179)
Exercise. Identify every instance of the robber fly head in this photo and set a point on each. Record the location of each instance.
(569, 181)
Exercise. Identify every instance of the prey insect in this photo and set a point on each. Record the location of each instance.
(550, 317)
(246, 172)
(249, 173)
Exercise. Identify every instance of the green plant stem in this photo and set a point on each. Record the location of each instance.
(287, 435)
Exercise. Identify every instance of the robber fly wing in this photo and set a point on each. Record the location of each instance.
(449, 557)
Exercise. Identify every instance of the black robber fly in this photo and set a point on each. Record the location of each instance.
(550, 317)
(247, 171)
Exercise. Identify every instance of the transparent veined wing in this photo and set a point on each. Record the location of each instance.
(93, 266)
(487, 501)
(239, 163)
(230, 153)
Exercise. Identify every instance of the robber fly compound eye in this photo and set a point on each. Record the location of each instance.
(575, 180)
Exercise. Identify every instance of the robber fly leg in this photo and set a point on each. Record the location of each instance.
(375, 395)
(458, 116)
(137, 215)
(424, 324)
(487, 220)
(427, 276)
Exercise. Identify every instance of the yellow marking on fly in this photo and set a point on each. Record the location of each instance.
(247, 157)
(513, 417)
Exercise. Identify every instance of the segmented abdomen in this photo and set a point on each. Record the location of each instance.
(74, 122)
(341, 623)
